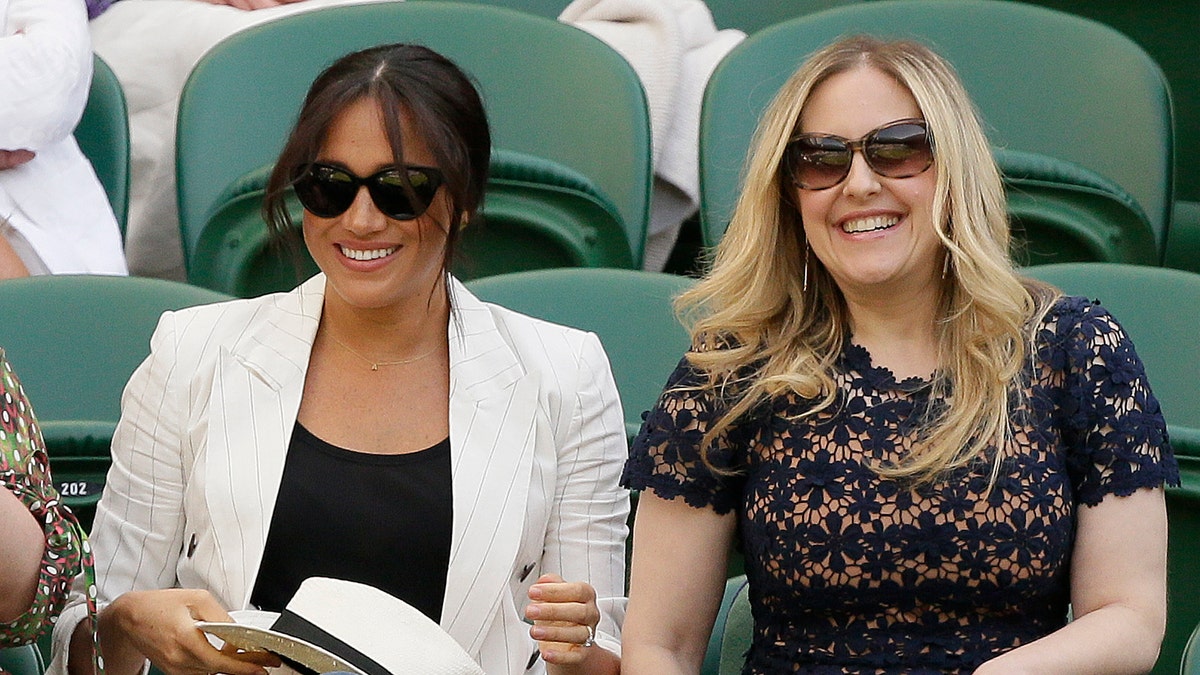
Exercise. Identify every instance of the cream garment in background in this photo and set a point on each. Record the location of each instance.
(674, 47)
(54, 200)
(152, 46)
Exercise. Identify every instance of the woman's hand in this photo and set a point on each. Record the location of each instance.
(161, 625)
(564, 616)
(11, 159)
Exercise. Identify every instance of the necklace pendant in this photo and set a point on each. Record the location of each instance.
(374, 366)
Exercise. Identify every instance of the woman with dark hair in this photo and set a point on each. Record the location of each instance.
(378, 424)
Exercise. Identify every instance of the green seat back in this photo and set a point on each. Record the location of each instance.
(1158, 309)
(629, 310)
(1167, 31)
(536, 214)
(1191, 654)
(751, 16)
(1180, 651)
(103, 136)
(23, 660)
(1183, 243)
(551, 91)
(1062, 212)
(1044, 81)
(730, 629)
(73, 342)
(547, 8)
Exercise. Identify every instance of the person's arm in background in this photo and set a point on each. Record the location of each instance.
(22, 545)
(45, 72)
(41, 544)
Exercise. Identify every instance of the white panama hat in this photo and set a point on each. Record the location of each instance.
(335, 625)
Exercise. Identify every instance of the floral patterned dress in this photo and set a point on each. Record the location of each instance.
(853, 573)
(24, 469)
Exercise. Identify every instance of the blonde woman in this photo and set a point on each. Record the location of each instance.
(924, 457)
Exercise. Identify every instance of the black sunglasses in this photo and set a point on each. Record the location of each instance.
(327, 191)
(897, 149)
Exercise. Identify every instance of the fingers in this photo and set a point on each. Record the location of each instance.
(161, 625)
(265, 659)
(552, 588)
(564, 616)
(10, 159)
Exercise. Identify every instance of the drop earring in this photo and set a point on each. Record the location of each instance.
(805, 283)
(945, 264)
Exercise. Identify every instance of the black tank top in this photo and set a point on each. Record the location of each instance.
(382, 520)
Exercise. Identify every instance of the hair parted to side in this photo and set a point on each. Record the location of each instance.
(758, 333)
(442, 102)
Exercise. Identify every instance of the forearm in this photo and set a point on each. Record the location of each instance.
(647, 659)
(120, 658)
(1117, 639)
(120, 655)
(22, 545)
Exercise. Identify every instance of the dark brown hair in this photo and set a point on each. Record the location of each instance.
(442, 103)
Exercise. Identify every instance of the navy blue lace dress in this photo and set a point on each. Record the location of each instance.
(853, 573)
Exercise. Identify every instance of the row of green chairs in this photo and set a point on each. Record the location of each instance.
(1088, 169)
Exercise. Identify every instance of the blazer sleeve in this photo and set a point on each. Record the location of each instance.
(586, 533)
(137, 535)
(45, 72)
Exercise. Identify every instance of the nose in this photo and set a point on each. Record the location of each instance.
(861, 181)
(363, 217)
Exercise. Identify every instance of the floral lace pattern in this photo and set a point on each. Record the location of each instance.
(853, 573)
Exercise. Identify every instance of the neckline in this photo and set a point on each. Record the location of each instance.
(856, 358)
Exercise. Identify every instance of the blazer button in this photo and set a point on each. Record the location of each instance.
(526, 570)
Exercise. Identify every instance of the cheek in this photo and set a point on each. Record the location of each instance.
(813, 207)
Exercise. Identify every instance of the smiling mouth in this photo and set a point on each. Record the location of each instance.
(368, 254)
(872, 224)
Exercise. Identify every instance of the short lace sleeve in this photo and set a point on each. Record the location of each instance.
(665, 456)
(1115, 431)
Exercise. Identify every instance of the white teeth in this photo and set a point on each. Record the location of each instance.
(869, 224)
(370, 254)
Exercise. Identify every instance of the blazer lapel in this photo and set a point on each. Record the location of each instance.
(253, 406)
(493, 423)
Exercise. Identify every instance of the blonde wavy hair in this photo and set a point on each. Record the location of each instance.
(757, 333)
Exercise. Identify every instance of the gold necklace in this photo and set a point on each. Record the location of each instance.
(375, 364)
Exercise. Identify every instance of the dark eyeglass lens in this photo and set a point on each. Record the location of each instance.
(388, 192)
(898, 151)
(819, 161)
(328, 191)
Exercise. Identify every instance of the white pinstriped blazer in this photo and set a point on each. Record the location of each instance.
(537, 445)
